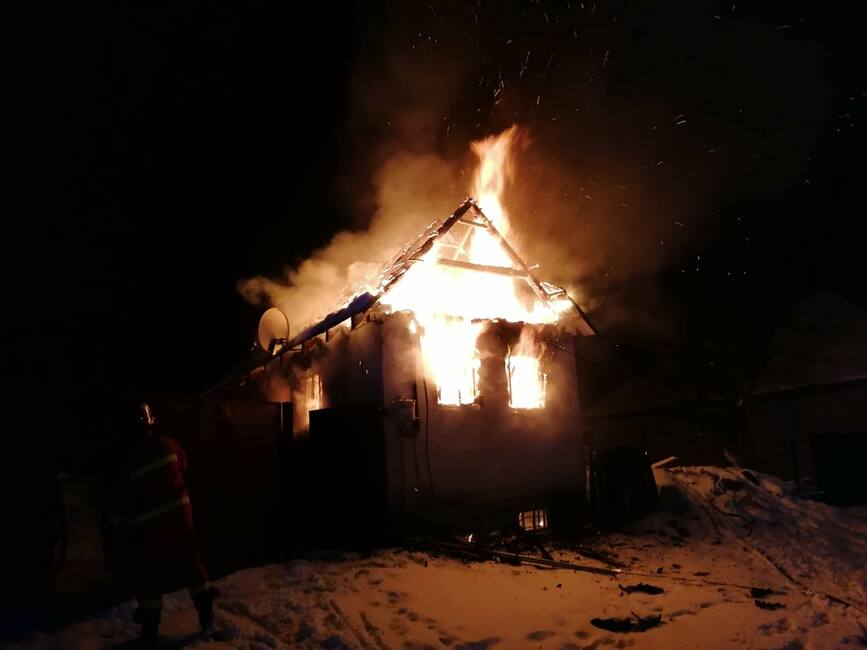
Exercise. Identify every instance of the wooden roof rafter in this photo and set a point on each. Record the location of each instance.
(469, 215)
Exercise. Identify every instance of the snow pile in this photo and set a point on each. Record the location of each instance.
(743, 564)
(820, 549)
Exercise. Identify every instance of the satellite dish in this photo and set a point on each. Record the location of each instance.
(273, 330)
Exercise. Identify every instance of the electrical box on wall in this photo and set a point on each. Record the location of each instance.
(405, 414)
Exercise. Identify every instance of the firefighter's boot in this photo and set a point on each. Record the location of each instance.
(204, 602)
(149, 619)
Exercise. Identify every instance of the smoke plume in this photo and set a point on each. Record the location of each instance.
(411, 190)
(632, 146)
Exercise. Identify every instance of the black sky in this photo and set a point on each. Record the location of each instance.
(179, 147)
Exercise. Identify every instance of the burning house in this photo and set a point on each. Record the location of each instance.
(443, 395)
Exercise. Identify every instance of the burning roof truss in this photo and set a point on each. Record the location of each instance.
(453, 235)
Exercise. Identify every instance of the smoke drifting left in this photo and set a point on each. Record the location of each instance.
(411, 189)
(394, 178)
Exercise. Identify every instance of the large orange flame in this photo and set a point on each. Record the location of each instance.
(496, 167)
(450, 304)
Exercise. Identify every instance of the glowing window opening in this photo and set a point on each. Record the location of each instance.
(462, 387)
(307, 398)
(533, 520)
(313, 392)
(527, 383)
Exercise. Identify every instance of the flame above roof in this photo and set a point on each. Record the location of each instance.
(447, 232)
(468, 215)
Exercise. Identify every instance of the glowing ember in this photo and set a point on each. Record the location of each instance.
(449, 300)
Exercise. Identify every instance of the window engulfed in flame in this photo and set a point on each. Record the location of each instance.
(461, 386)
(527, 382)
(449, 302)
(449, 349)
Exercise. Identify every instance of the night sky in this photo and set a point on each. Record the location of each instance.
(180, 147)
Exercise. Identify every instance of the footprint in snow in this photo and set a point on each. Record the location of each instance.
(398, 627)
(483, 644)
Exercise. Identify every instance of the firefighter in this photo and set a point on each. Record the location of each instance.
(152, 544)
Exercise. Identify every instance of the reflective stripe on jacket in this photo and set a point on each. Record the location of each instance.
(161, 510)
(162, 462)
(153, 483)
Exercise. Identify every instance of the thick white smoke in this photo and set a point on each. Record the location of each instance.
(412, 191)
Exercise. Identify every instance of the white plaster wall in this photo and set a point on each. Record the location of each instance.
(478, 452)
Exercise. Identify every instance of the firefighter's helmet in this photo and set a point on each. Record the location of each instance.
(146, 419)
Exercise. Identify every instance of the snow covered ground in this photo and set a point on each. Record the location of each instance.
(732, 535)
